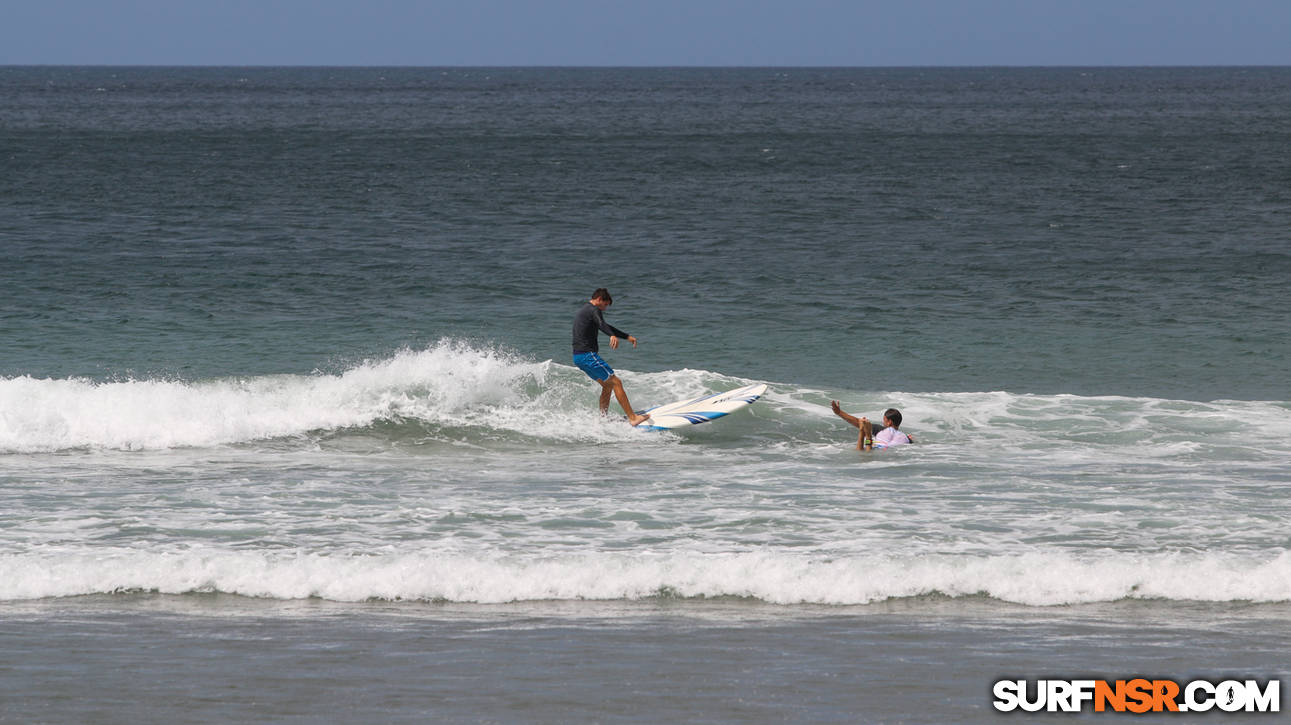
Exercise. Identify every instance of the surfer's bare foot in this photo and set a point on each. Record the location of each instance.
(636, 420)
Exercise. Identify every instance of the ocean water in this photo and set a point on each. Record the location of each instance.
(289, 429)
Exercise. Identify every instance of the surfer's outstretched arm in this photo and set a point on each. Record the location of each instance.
(838, 411)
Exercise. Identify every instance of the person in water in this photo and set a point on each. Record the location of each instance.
(890, 435)
(590, 320)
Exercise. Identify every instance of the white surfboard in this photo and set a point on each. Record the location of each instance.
(701, 410)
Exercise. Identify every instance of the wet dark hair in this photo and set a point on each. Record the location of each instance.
(602, 294)
(895, 415)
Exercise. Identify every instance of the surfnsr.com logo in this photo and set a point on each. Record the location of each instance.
(1137, 696)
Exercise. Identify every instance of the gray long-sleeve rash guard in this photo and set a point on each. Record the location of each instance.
(586, 323)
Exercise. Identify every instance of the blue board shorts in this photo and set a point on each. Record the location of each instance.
(593, 365)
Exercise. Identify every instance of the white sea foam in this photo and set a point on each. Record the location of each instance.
(452, 384)
(443, 384)
(1036, 579)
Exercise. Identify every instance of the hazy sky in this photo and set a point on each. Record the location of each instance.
(646, 32)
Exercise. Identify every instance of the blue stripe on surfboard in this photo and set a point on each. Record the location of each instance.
(693, 418)
(750, 399)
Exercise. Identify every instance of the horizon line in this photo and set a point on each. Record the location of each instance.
(639, 66)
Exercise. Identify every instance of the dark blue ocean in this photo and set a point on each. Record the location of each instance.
(289, 429)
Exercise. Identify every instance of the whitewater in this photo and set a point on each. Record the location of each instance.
(466, 474)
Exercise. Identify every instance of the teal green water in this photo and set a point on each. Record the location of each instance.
(1091, 231)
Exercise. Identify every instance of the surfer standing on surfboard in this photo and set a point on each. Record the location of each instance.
(889, 436)
(589, 320)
